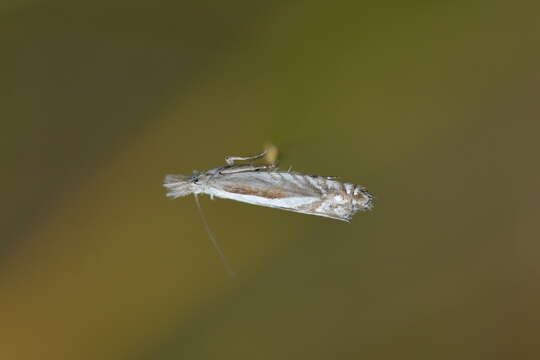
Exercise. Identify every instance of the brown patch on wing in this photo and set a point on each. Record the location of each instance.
(246, 190)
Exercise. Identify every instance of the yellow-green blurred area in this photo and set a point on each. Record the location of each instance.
(433, 106)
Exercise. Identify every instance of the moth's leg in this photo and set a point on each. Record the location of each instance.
(272, 166)
(231, 159)
(232, 169)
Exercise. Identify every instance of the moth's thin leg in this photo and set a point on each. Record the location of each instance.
(231, 159)
(215, 243)
(272, 166)
(233, 169)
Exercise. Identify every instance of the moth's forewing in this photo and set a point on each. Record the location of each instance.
(287, 191)
(270, 185)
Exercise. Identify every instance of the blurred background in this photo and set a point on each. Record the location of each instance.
(433, 106)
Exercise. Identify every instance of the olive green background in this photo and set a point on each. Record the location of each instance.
(432, 105)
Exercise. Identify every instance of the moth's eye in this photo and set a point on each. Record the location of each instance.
(195, 180)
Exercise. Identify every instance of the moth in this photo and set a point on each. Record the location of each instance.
(266, 185)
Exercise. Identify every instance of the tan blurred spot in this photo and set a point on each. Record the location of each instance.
(272, 153)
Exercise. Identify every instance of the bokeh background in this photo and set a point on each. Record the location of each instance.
(432, 105)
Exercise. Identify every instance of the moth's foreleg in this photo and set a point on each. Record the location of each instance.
(231, 159)
(234, 169)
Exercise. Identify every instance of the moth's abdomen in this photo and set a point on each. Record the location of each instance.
(362, 198)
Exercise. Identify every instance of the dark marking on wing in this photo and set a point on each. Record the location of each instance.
(246, 190)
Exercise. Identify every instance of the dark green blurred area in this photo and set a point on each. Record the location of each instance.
(433, 106)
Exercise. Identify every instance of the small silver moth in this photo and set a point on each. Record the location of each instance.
(265, 185)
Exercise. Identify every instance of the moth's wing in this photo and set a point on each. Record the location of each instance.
(271, 185)
(287, 191)
(178, 185)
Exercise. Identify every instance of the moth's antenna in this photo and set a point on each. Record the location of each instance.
(230, 271)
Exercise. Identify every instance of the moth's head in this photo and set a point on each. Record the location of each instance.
(362, 199)
(199, 179)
